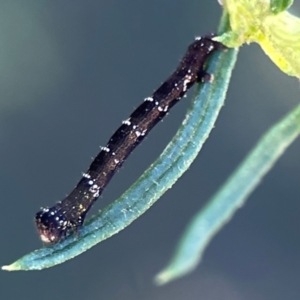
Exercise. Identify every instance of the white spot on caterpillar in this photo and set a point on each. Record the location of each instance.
(198, 38)
(134, 126)
(94, 189)
(137, 133)
(96, 195)
(143, 132)
(211, 47)
(160, 108)
(156, 103)
(166, 108)
(186, 81)
(85, 175)
(105, 149)
(91, 182)
(114, 153)
(116, 161)
(150, 99)
(127, 122)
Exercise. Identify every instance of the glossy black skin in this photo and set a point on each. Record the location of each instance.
(67, 216)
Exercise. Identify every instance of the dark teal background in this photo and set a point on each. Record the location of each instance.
(70, 72)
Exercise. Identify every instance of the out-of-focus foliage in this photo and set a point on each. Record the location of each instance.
(265, 22)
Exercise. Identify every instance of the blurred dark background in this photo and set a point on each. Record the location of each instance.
(71, 71)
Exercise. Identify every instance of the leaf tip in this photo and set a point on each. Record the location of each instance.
(12, 267)
(163, 277)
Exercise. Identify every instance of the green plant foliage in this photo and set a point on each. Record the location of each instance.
(277, 6)
(277, 34)
(221, 208)
(162, 174)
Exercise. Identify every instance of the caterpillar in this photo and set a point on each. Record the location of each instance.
(67, 216)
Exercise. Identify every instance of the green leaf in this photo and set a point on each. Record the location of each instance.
(167, 169)
(278, 6)
(232, 196)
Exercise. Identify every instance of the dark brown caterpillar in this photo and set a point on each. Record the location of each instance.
(67, 216)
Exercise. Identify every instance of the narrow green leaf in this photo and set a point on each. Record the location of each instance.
(278, 6)
(222, 206)
(172, 163)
